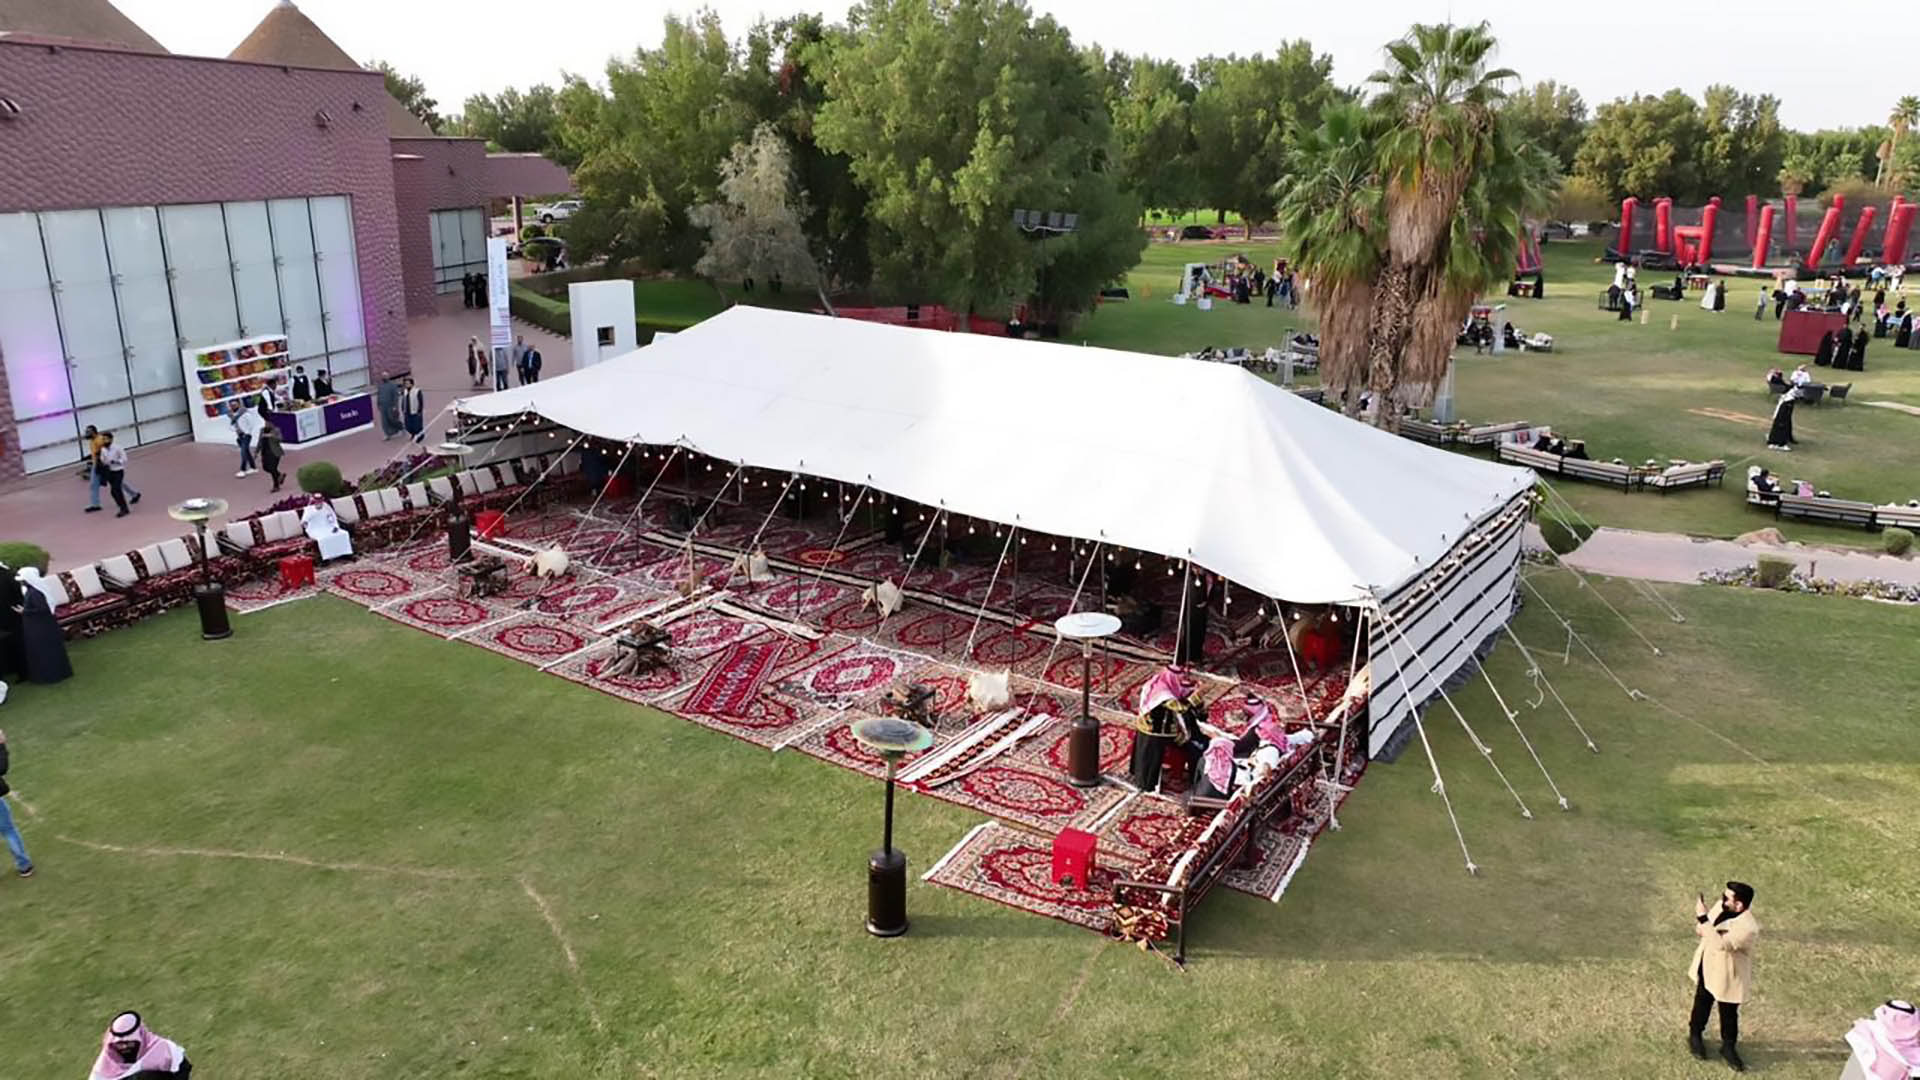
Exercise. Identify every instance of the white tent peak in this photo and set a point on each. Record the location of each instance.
(1172, 456)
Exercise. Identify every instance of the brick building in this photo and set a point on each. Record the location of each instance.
(151, 202)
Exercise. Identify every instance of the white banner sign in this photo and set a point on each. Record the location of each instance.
(501, 318)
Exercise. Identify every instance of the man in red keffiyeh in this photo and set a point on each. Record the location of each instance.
(128, 1051)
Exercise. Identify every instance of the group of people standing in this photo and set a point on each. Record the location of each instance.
(402, 407)
(473, 290)
(1841, 351)
(526, 361)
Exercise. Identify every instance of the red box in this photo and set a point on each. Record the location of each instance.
(295, 571)
(490, 523)
(1073, 860)
(1800, 331)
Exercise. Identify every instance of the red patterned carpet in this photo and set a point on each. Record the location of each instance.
(442, 613)
(1014, 868)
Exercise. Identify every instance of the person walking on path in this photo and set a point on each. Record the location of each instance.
(17, 846)
(520, 352)
(1722, 968)
(270, 451)
(246, 431)
(113, 462)
(499, 369)
(413, 409)
(96, 443)
(387, 404)
(533, 365)
(476, 363)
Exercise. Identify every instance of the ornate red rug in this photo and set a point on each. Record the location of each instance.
(373, 585)
(444, 614)
(1040, 798)
(247, 597)
(533, 638)
(1014, 867)
(733, 680)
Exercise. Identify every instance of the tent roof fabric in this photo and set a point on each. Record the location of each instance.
(287, 36)
(91, 21)
(1177, 457)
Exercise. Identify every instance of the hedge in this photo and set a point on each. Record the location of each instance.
(1897, 541)
(556, 316)
(1773, 571)
(20, 554)
(321, 478)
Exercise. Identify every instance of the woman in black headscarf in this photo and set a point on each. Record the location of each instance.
(1857, 361)
(46, 646)
(13, 649)
(1780, 435)
(1842, 350)
(1903, 338)
(1823, 356)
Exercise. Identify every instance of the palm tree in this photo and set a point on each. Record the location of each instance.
(1796, 173)
(1330, 212)
(1442, 102)
(1905, 114)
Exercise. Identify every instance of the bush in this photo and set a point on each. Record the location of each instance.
(542, 311)
(1772, 571)
(531, 232)
(1897, 541)
(19, 554)
(321, 478)
(1561, 537)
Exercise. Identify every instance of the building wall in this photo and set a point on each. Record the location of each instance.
(100, 127)
(429, 175)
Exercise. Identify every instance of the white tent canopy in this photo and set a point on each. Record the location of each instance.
(1188, 460)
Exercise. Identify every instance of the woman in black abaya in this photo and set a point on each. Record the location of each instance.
(1903, 338)
(46, 647)
(13, 649)
(1780, 435)
(1823, 356)
(1857, 361)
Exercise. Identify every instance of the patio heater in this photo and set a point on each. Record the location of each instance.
(1083, 736)
(892, 738)
(459, 525)
(210, 596)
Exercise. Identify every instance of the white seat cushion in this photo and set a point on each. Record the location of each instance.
(174, 551)
(441, 486)
(284, 525)
(484, 481)
(156, 562)
(390, 498)
(240, 534)
(120, 569)
(569, 465)
(88, 579)
(345, 510)
(417, 495)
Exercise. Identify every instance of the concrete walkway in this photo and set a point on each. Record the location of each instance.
(1675, 558)
(48, 509)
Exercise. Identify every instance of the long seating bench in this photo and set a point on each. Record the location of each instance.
(1818, 508)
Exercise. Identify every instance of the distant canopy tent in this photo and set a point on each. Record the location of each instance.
(1197, 462)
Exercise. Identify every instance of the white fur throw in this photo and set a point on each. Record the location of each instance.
(550, 563)
(885, 595)
(988, 691)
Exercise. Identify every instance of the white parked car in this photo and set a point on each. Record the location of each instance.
(559, 211)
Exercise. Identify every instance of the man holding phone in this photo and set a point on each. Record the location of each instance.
(1722, 968)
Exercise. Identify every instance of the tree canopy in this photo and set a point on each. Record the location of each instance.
(412, 93)
(1551, 117)
(516, 122)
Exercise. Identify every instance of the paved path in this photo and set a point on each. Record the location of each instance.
(1671, 557)
(47, 509)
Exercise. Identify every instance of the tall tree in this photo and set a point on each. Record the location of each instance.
(1442, 101)
(1905, 114)
(1742, 144)
(1152, 102)
(1330, 214)
(1643, 146)
(512, 121)
(412, 93)
(1552, 117)
(755, 229)
(955, 113)
(1242, 113)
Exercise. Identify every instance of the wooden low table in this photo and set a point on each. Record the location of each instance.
(484, 576)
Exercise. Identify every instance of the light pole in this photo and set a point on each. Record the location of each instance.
(210, 596)
(892, 738)
(1083, 737)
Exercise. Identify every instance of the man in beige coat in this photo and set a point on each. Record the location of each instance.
(1722, 968)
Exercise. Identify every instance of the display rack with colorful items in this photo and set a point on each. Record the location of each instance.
(240, 371)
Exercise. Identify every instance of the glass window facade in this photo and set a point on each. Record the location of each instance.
(95, 306)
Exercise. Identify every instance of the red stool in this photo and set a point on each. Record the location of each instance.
(619, 486)
(1073, 860)
(490, 523)
(295, 571)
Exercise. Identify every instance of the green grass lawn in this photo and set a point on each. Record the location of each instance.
(711, 893)
(1694, 391)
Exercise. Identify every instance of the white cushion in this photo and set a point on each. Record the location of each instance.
(442, 487)
(345, 510)
(88, 579)
(480, 481)
(390, 498)
(120, 569)
(175, 552)
(240, 534)
(284, 525)
(156, 562)
(417, 495)
(569, 465)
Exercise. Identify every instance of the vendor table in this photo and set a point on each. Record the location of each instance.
(321, 420)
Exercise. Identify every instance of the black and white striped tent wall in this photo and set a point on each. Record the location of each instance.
(1429, 629)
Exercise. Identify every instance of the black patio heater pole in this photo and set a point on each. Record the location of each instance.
(892, 738)
(209, 596)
